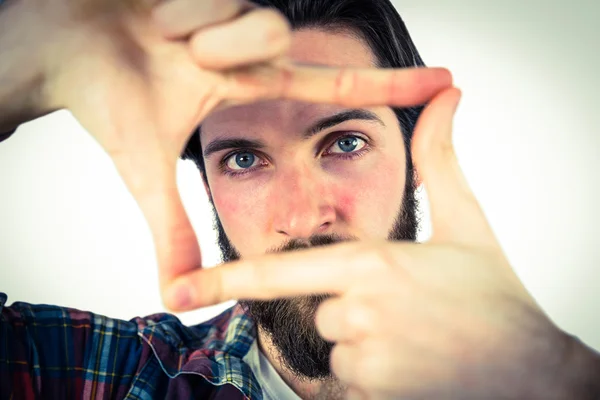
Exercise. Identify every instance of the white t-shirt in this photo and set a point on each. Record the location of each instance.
(273, 386)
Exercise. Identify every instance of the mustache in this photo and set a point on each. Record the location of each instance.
(313, 241)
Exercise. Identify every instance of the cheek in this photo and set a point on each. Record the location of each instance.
(371, 201)
(346, 200)
(226, 203)
(240, 210)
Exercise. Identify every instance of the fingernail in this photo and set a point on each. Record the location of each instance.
(443, 74)
(458, 98)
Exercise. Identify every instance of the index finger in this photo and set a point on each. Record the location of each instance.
(331, 269)
(350, 87)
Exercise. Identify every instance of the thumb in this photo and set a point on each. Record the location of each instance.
(152, 181)
(455, 213)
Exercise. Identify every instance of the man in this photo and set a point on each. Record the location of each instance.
(407, 320)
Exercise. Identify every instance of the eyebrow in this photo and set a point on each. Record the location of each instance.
(336, 119)
(319, 126)
(235, 143)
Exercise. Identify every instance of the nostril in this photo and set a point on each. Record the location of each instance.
(324, 226)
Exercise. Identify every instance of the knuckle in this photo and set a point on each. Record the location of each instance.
(376, 259)
(285, 80)
(345, 86)
(369, 376)
(326, 309)
(342, 365)
(253, 271)
(324, 317)
(361, 318)
(373, 374)
(276, 32)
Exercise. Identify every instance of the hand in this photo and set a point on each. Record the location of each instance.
(446, 319)
(140, 77)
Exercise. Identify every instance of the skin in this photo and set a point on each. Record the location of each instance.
(296, 190)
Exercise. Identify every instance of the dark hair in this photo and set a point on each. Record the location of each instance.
(375, 21)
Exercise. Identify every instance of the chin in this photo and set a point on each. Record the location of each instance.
(290, 325)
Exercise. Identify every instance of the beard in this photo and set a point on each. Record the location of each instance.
(290, 322)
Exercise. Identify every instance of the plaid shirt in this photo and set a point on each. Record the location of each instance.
(51, 352)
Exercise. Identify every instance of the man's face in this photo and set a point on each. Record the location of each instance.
(286, 175)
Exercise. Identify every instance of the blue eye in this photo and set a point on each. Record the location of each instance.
(241, 161)
(348, 144)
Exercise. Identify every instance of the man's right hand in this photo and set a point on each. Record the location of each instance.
(140, 75)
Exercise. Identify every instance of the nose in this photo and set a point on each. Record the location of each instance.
(304, 207)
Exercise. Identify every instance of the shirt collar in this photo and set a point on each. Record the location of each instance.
(214, 349)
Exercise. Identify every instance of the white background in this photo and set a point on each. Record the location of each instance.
(526, 135)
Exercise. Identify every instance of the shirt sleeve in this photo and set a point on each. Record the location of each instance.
(51, 352)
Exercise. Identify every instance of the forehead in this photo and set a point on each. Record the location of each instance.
(339, 48)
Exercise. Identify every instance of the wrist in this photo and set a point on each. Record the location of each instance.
(23, 79)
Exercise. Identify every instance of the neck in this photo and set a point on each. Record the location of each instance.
(303, 387)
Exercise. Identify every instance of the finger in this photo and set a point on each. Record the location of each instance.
(375, 366)
(355, 394)
(179, 18)
(345, 361)
(455, 213)
(329, 270)
(155, 190)
(350, 87)
(258, 36)
(346, 319)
